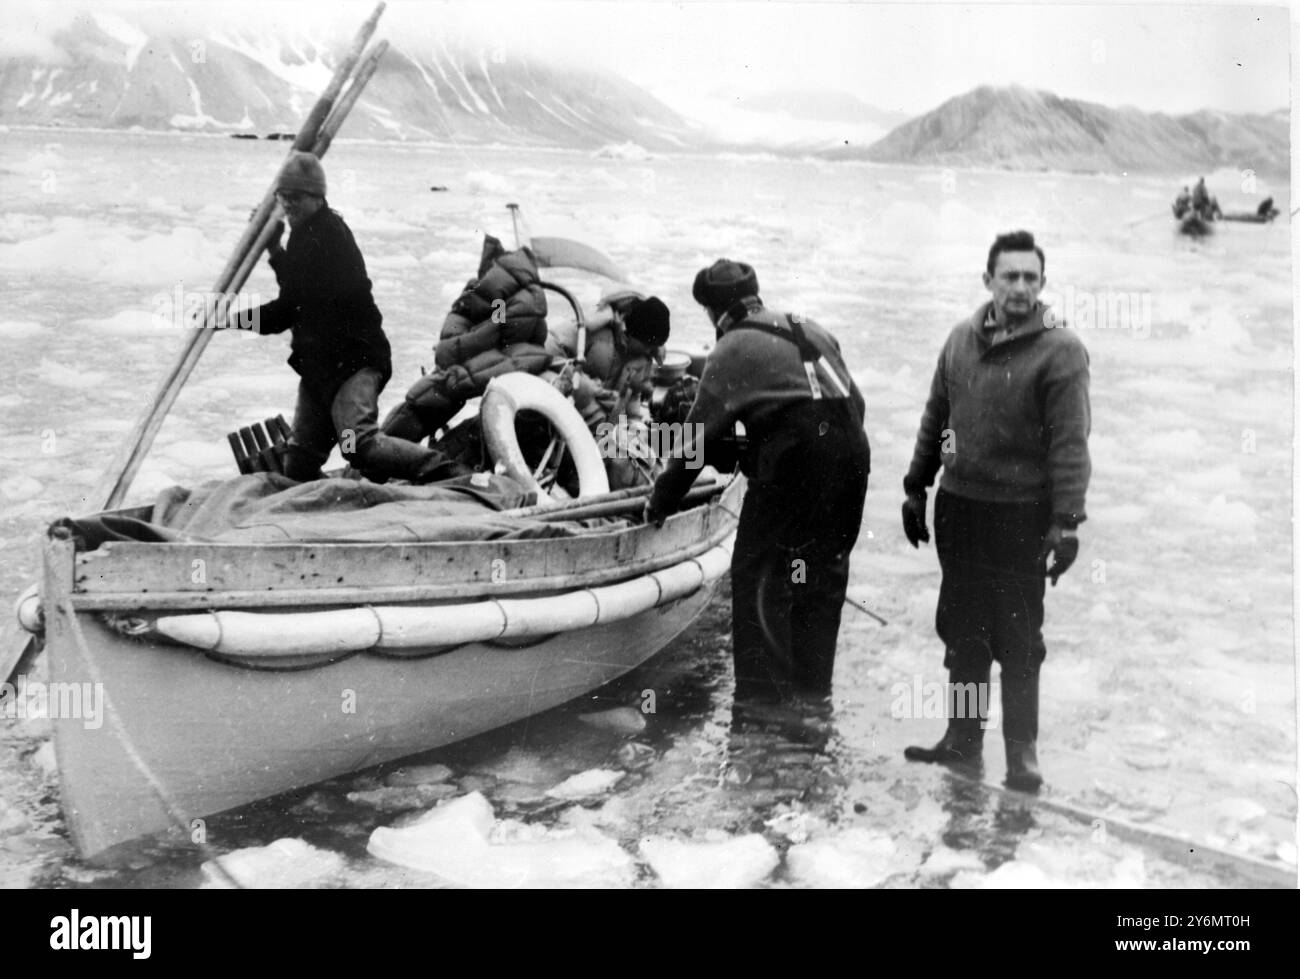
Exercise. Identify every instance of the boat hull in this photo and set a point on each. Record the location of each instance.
(186, 737)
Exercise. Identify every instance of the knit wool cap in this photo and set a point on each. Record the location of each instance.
(724, 283)
(302, 172)
(647, 321)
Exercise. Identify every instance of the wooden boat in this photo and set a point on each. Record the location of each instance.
(282, 665)
(185, 734)
(1249, 217)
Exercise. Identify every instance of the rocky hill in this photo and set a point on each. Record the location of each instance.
(1021, 129)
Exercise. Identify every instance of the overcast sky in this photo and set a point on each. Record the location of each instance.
(903, 57)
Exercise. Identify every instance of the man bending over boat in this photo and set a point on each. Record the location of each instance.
(807, 460)
(339, 348)
(624, 342)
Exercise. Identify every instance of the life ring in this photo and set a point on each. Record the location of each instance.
(509, 394)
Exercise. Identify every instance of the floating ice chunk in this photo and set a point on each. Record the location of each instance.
(136, 322)
(394, 798)
(518, 765)
(44, 758)
(1122, 513)
(486, 182)
(19, 329)
(61, 376)
(1015, 874)
(460, 842)
(796, 826)
(739, 862)
(284, 863)
(586, 784)
(621, 151)
(19, 488)
(945, 860)
(857, 857)
(1239, 810)
(1100, 612)
(619, 720)
(613, 813)
(1232, 518)
(401, 261)
(1183, 442)
(418, 775)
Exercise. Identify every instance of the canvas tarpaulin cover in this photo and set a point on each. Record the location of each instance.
(267, 508)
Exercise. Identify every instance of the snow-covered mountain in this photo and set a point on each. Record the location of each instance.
(107, 71)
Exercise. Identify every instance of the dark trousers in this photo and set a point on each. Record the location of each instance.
(790, 566)
(351, 420)
(427, 407)
(991, 599)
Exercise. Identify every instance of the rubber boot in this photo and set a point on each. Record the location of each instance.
(963, 742)
(399, 459)
(1020, 730)
(300, 465)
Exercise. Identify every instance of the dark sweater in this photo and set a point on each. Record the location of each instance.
(325, 299)
(1016, 414)
(755, 377)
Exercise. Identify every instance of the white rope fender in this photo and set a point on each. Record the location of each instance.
(404, 627)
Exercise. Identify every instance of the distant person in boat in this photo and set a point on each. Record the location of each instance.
(807, 461)
(624, 342)
(1206, 206)
(1007, 419)
(497, 325)
(1266, 209)
(1182, 203)
(339, 348)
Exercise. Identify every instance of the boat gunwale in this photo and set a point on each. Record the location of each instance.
(469, 565)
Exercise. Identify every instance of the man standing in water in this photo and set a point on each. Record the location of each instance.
(807, 462)
(339, 348)
(1008, 419)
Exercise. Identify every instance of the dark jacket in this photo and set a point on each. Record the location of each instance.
(325, 300)
(505, 305)
(1008, 421)
(756, 376)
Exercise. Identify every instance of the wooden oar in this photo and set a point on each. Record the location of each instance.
(614, 508)
(252, 241)
(637, 493)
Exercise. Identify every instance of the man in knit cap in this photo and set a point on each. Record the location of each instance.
(807, 462)
(339, 348)
(1007, 420)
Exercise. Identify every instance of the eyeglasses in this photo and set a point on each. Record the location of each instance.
(291, 196)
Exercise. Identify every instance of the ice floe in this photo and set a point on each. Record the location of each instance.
(462, 843)
(586, 785)
(286, 863)
(741, 861)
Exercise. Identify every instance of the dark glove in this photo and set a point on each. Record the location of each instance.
(652, 515)
(914, 519)
(1065, 545)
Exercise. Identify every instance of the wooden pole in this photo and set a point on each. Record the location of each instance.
(17, 648)
(253, 240)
